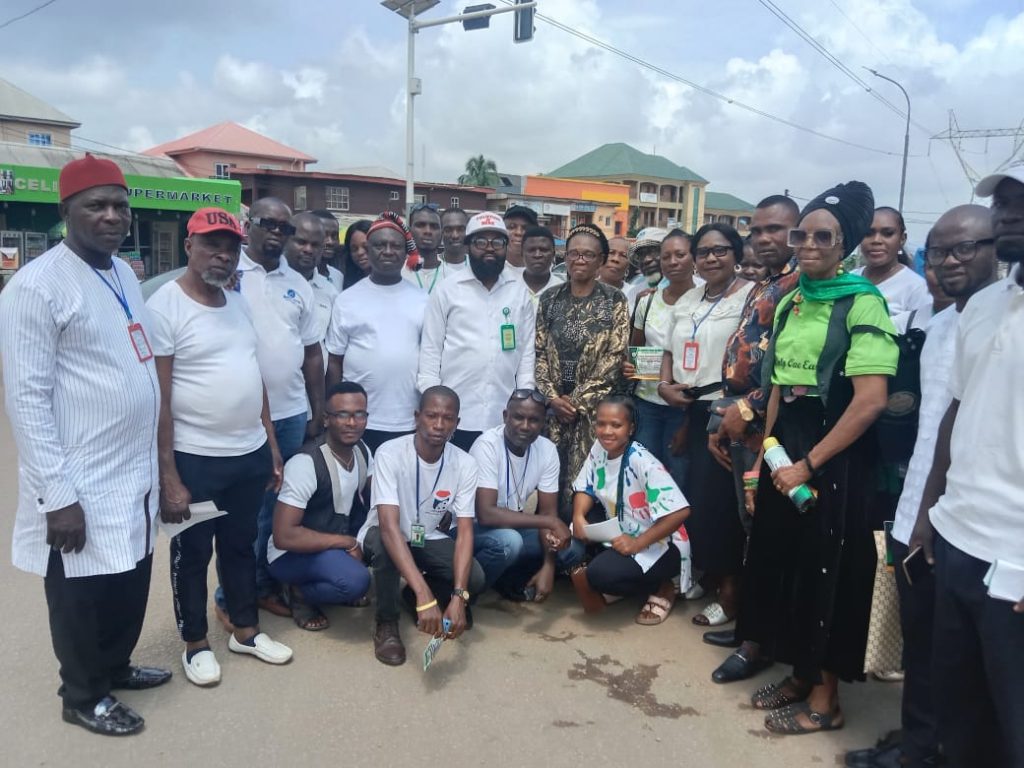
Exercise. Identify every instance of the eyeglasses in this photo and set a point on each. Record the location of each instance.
(497, 243)
(819, 238)
(348, 415)
(962, 252)
(528, 394)
(273, 225)
(587, 256)
(717, 250)
(424, 207)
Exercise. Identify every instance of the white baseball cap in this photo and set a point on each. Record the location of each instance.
(485, 222)
(987, 186)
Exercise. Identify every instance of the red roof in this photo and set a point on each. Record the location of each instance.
(229, 137)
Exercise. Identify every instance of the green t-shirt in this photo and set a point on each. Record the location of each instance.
(799, 346)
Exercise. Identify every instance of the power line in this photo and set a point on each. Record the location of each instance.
(860, 31)
(700, 88)
(26, 14)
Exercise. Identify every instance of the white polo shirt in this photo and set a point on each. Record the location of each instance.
(462, 344)
(283, 313)
(515, 477)
(982, 510)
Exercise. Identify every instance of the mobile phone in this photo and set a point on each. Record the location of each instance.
(915, 566)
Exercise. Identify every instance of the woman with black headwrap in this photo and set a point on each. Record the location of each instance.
(828, 366)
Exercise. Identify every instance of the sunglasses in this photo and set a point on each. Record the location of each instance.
(424, 207)
(962, 252)
(819, 238)
(273, 225)
(529, 394)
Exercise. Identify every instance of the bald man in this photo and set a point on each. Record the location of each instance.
(960, 250)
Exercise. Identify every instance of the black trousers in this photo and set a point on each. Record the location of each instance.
(613, 574)
(95, 623)
(236, 484)
(464, 439)
(978, 666)
(917, 620)
(374, 438)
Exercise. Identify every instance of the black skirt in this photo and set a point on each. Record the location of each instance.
(808, 578)
(716, 533)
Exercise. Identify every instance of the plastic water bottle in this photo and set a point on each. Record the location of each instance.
(802, 496)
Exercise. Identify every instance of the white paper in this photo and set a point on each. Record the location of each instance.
(1005, 581)
(201, 512)
(604, 531)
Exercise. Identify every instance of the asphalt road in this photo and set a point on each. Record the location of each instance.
(530, 685)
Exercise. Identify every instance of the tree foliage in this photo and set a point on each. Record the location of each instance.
(480, 172)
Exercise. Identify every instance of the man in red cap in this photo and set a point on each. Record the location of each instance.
(216, 441)
(82, 397)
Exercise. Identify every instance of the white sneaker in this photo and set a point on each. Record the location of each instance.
(203, 669)
(263, 649)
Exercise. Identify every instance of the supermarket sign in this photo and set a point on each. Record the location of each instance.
(27, 184)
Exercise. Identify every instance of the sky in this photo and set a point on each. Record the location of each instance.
(328, 77)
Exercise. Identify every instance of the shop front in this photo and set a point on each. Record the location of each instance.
(30, 220)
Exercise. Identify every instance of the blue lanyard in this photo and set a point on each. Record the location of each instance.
(432, 282)
(434, 488)
(619, 503)
(118, 295)
(522, 481)
(698, 323)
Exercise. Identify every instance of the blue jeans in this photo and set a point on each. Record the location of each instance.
(531, 558)
(331, 577)
(290, 433)
(495, 549)
(657, 424)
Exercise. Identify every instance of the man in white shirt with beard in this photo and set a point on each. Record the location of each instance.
(478, 332)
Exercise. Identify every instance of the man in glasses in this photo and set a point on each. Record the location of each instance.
(374, 338)
(423, 488)
(478, 332)
(283, 311)
(520, 552)
(323, 503)
(425, 225)
(517, 218)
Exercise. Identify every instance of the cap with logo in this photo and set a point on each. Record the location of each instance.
(987, 186)
(485, 222)
(88, 172)
(207, 220)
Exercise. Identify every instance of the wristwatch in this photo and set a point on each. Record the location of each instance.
(461, 593)
(746, 412)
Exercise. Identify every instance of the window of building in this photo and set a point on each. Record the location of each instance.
(222, 170)
(618, 228)
(419, 199)
(395, 196)
(40, 139)
(454, 202)
(300, 198)
(709, 218)
(724, 219)
(337, 198)
(266, 167)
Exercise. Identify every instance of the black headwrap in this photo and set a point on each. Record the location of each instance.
(852, 204)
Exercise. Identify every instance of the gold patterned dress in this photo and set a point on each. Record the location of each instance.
(581, 344)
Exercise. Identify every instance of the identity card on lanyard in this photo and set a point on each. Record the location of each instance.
(418, 531)
(691, 348)
(136, 333)
(508, 332)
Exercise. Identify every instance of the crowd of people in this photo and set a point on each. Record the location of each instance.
(430, 409)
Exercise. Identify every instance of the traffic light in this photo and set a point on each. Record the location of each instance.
(471, 24)
(522, 25)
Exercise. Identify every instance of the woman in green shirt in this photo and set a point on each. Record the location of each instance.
(828, 366)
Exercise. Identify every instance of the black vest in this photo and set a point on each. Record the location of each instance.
(320, 515)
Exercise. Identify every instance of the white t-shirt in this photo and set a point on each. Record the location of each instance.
(650, 493)
(300, 484)
(216, 387)
(656, 324)
(377, 329)
(553, 280)
(336, 278)
(446, 486)
(281, 306)
(982, 510)
(903, 290)
(428, 279)
(515, 477)
(710, 324)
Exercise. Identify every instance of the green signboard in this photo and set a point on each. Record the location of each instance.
(26, 184)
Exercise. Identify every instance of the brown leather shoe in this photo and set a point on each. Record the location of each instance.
(387, 644)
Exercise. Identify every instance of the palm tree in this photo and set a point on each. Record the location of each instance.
(480, 172)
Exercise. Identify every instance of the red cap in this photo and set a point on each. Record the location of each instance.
(88, 172)
(207, 220)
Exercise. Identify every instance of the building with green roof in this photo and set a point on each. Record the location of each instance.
(728, 209)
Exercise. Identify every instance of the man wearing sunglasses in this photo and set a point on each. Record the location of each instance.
(478, 332)
(520, 552)
(288, 348)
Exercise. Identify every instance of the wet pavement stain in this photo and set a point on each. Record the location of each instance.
(564, 724)
(632, 685)
(562, 638)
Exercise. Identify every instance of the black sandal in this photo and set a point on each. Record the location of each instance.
(774, 695)
(306, 616)
(784, 721)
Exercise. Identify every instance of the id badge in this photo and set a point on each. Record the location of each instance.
(508, 337)
(417, 535)
(139, 341)
(691, 355)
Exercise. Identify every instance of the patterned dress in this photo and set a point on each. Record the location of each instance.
(581, 344)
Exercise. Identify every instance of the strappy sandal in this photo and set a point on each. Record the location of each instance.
(713, 615)
(306, 616)
(784, 721)
(775, 695)
(655, 610)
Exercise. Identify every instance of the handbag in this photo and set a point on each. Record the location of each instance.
(885, 637)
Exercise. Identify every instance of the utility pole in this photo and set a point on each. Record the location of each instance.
(956, 137)
(906, 135)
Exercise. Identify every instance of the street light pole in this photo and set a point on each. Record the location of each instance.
(906, 135)
(413, 87)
